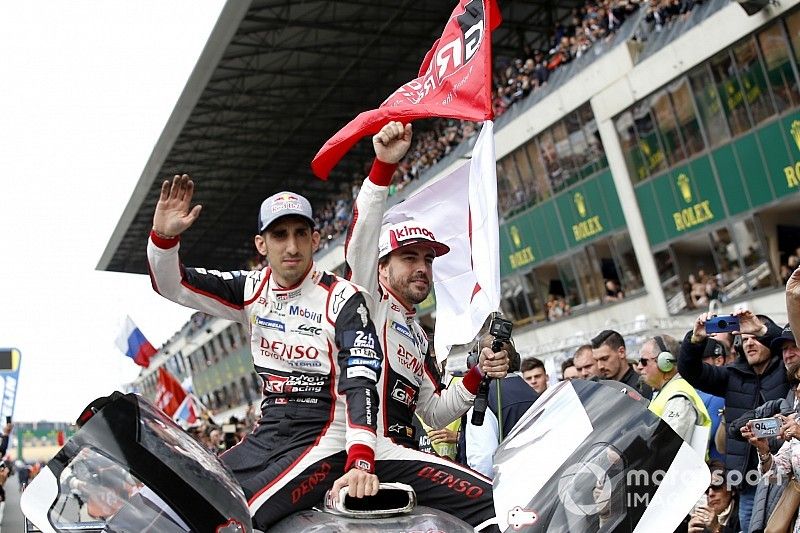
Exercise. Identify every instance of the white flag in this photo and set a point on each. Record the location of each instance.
(461, 210)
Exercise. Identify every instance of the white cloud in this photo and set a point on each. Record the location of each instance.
(85, 91)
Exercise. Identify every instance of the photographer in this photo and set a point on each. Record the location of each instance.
(755, 377)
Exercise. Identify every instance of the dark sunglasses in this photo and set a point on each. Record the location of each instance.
(643, 361)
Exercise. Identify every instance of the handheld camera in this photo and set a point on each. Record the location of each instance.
(722, 324)
(500, 329)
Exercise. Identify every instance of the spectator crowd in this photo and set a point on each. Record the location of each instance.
(513, 80)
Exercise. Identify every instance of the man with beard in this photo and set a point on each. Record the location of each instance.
(758, 375)
(400, 276)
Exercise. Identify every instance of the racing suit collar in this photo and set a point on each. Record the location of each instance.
(285, 294)
(388, 294)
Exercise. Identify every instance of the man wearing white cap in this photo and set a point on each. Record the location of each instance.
(313, 344)
(399, 276)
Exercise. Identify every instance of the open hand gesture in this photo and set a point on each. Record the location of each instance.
(173, 215)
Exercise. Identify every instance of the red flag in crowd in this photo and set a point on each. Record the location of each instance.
(455, 81)
(169, 393)
(60, 437)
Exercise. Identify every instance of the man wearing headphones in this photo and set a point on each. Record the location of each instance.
(675, 401)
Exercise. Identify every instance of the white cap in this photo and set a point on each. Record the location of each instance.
(407, 233)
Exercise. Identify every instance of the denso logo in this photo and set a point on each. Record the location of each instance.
(308, 484)
(280, 350)
(408, 359)
(403, 393)
(411, 231)
(443, 477)
(296, 310)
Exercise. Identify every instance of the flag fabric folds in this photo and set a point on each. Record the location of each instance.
(466, 280)
(133, 343)
(173, 400)
(455, 81)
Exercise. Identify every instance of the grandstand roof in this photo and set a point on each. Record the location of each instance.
(276, 79)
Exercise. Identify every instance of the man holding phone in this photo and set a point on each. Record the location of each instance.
(756, 376)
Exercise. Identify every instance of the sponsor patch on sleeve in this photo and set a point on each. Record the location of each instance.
(361, 372)
(361, 361)
(359, 339)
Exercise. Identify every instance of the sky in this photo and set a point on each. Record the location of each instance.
(86, 88)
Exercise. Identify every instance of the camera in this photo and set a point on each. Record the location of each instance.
(500, 329)
(722, 324)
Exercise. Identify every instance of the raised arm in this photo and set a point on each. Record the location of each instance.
(708, 378)
(793, 301)
(363, 235)
(174, 213)
(217, 293)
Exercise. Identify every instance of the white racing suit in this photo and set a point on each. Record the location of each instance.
(315, 347)
(410, 380)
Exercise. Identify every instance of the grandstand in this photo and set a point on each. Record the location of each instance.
(651, 176)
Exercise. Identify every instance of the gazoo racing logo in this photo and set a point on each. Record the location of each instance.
(293, 384)
(404, 393)
(296, 310)
(461, 40)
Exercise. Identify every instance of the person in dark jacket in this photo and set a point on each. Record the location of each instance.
(756, 376)
(505, 408)
(608, 350)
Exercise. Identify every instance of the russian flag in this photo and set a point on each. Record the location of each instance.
(132, 343)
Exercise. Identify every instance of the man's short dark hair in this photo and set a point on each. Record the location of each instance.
(610, 338)
(581, 348)
(530, 364)
(566, 364)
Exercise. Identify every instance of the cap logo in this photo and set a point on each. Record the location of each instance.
(286, 201)
(409, 231)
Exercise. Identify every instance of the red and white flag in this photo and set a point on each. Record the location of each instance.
(467, 279)
(173, 400)
(455, 81)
